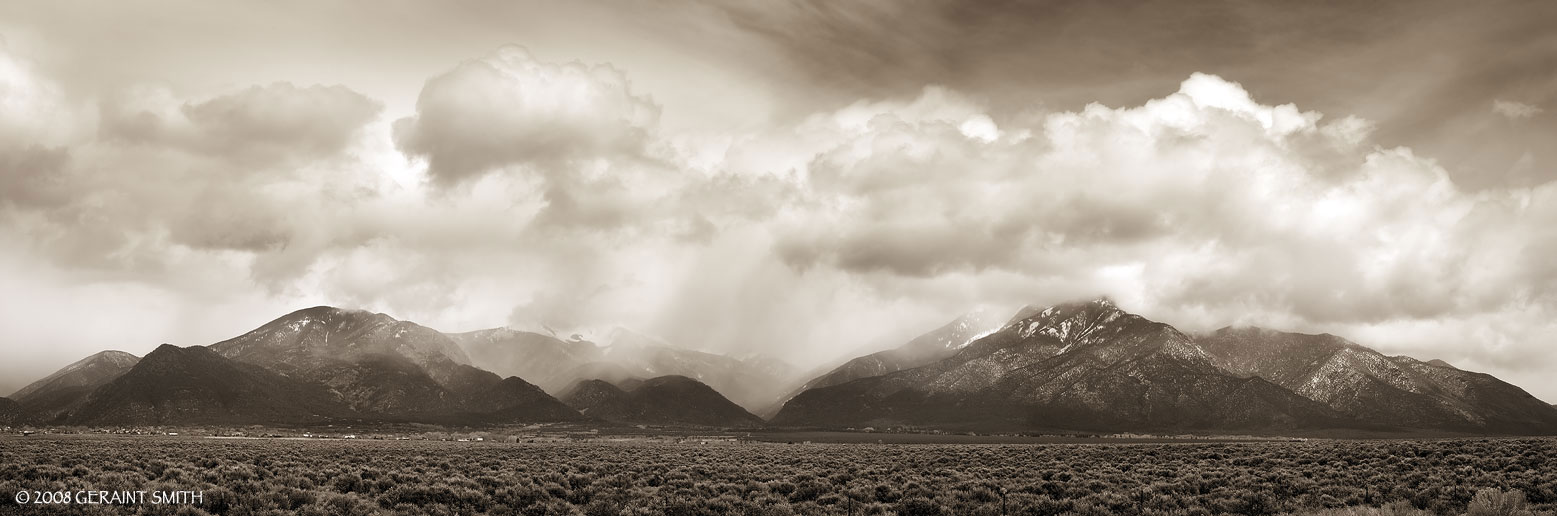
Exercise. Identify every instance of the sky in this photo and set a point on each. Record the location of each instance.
(802, 180)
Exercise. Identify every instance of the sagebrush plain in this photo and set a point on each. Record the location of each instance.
(274, 477)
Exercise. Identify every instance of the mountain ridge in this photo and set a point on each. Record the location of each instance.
(55, 395)
(1079, 366)
(197, 385)
(382, 367)
(663, 400)
(1371, 386)
(1074, 366)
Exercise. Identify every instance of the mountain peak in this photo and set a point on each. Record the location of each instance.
(671, 380)
(111, 354)
(1097, 303)
(331, 313)
(164, 349)
(330, 310)
(307, 338)
(93, 370)
(109, 358)
(1066, 320)
(168, 353)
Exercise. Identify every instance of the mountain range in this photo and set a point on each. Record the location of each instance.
(1092, 366)
(313, 365)
(1084, 366)
(1071, 367)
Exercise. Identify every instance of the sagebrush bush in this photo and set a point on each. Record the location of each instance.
(1495, 502)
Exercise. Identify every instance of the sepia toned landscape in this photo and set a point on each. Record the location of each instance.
(870, 257)
(328, 411)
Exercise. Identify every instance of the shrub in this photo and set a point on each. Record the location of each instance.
(1494, 502)
(919, 506)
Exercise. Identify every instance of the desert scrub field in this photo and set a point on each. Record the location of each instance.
(245, 477)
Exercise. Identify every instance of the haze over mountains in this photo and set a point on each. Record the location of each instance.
(938, 344)
(1085, 366)
(555, 363)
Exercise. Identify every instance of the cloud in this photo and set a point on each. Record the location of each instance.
(556, 198)
(35, 123)
(154, 180)
(510, 109)
(266, 125)
(1514, 110)
(1021, 55)
(33, 109)
(918, 194)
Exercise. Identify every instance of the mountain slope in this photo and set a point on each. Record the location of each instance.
(1365, 384)
(601, 399)
(513, 400)
(195, 385)
(383, 368)
(665, 400)
(10, 411)
(383, 384)
(937, 344)
(544, 360)
(88, 371)
(57, 394)
(1084, 366)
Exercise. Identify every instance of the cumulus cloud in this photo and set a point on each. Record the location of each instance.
(1514, 110)
(153, 179)
(510, 109)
